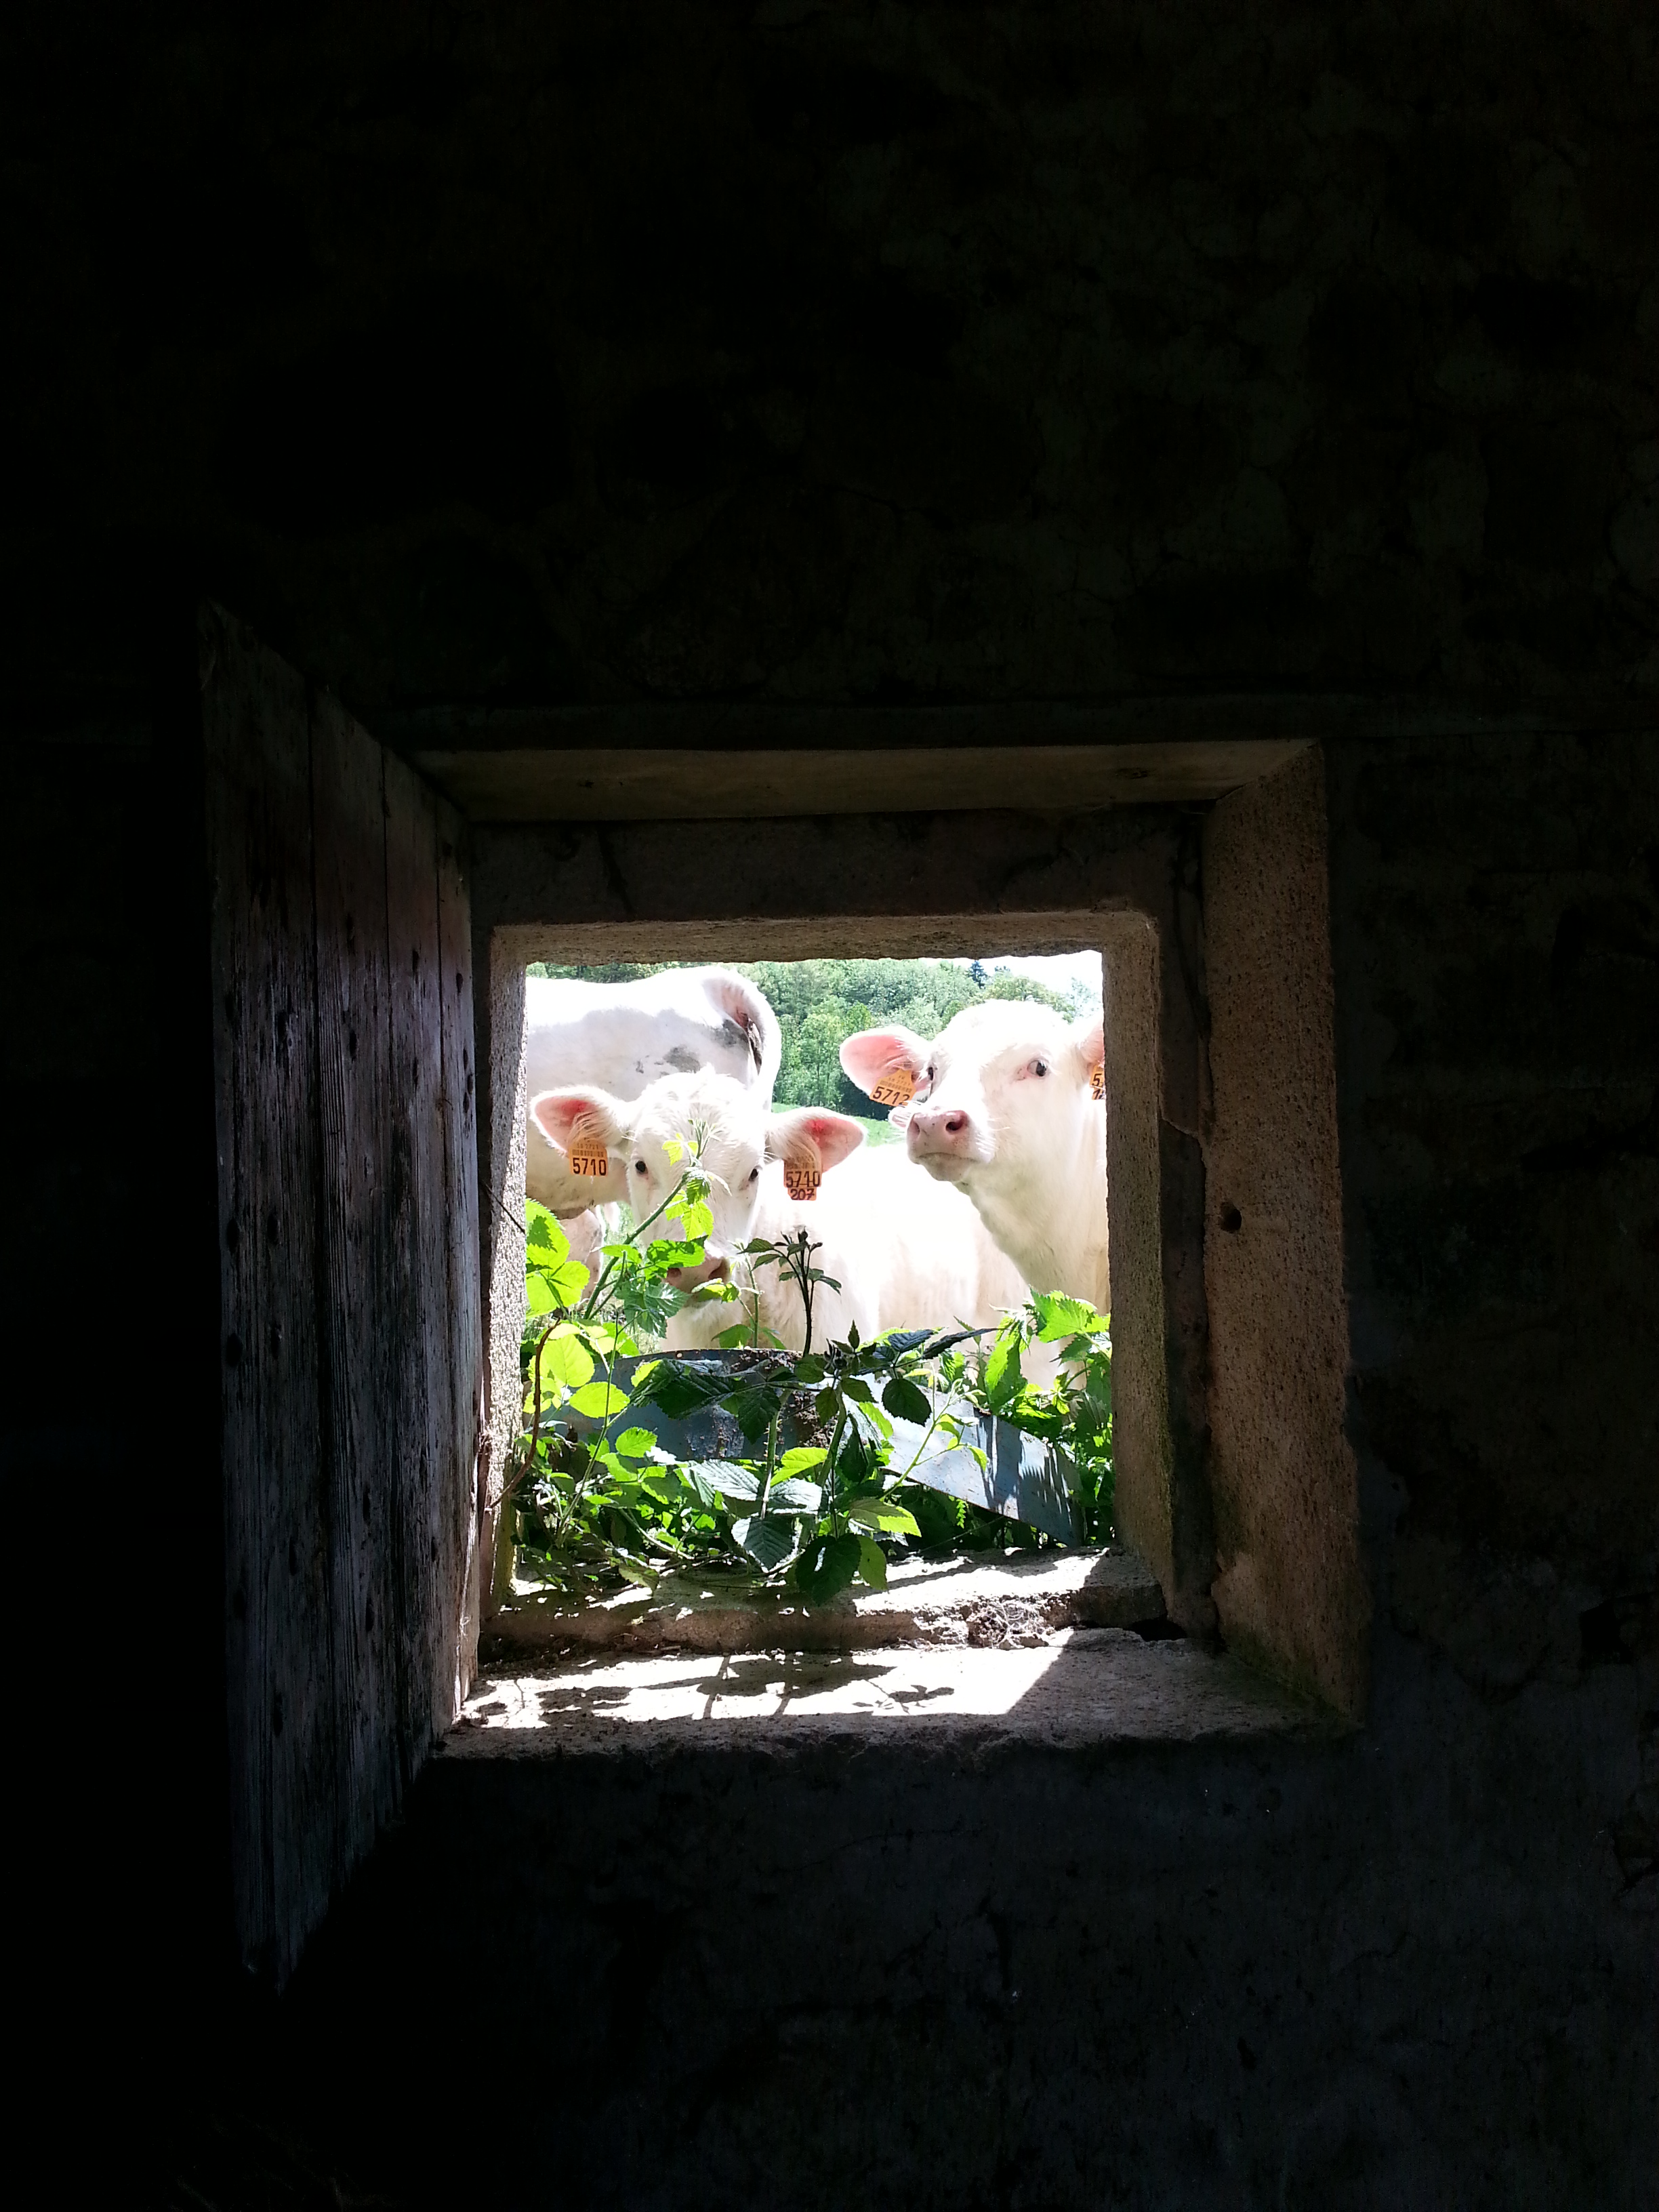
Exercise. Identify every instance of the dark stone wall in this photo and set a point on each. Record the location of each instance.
(1366, 1975)
(1496, 945)
(789, 353)
(1163, 354)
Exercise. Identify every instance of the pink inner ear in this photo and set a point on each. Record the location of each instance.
(556, 1114)
(869, 1056)
(1091, 1044)
(836, 1135)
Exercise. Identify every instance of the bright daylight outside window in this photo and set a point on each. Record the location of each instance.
(816, 1272)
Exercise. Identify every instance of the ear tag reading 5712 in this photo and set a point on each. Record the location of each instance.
(896, 1088)
(801, 1182)
(587, 1158)
(1097, 1083)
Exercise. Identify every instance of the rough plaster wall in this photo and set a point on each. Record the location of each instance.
(699, 352)
(1495, 934)
(1377, 1973)
(1141, 1411)
(1290, 1591)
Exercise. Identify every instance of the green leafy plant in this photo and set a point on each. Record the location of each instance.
(599, 1499)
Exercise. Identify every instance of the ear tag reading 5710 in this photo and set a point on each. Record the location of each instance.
(801, 1182)
(1097, 1083)
(587, 1158)
(896, 1088)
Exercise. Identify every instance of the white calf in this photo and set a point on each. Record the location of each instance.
(621, 1036)
(1004, 1109)
(906, 1252)
(742, 1149)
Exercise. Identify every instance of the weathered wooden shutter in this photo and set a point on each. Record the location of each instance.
(350, 1310)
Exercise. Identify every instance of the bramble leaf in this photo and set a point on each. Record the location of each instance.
(872, 1563)
(880, 1513)
(826, 1567)
(799, 1458)
(566, 1361)
(768, 1543)
(906, 1402)
(599, 1401)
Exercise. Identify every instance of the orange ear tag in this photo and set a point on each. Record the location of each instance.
(801, 1182)
(587, 1158)
(896, 1088)
(1097, 1082)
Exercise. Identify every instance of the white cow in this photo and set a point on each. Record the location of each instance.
(743, 1148)
(906, 1251)
(1003, 1109)
(623, 1037)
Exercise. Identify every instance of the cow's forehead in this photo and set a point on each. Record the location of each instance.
(980, 1036)
(731, 1124)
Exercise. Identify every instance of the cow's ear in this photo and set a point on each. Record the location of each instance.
(875, 1052)
(1089, 1042)
(562, 1116)
(810, 1137)
(740, 1002)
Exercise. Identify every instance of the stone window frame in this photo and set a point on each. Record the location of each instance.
(1234, 1479)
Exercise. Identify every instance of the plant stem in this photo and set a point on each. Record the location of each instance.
(839, 1431)
(771, 1462)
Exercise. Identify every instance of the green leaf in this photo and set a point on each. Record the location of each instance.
(730, 1477)
(1003, 1378)
(600, 1400)
(797, 1460)
(753, 1408)
(794, 1497)
(1059, 1315)
(543, 1236)
(664, 1252)
(827, 1567)
(872, 1563)
(856, 1387)
(881, 1513)
(566, 1361)
(809, 1369)
(768, 1542)
(695, 1219)
(702, 1478)
(906, 1402)
(635, 1443)
(538, 1297)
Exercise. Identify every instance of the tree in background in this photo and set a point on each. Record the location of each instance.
(820, 1003)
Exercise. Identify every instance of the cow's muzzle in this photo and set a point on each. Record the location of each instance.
(714, 1268)
(943, 1139)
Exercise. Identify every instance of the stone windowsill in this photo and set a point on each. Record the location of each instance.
(1060, 1648)
(1079, 1687)
(964, 1600)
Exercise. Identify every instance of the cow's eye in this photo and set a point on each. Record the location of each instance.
(754, 1174)
(1039, 1067)
(640, 1168)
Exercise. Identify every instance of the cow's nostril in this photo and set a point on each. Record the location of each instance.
(955, 1124)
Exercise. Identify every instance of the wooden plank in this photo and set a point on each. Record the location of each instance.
(460, 1095)
(279, 1688)
(353, 1049)
(664, 784)
(422, 1417)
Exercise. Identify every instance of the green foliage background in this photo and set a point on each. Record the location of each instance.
(819, 1003)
